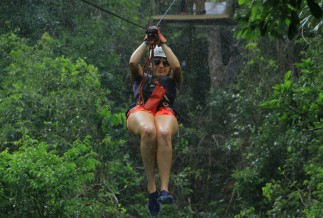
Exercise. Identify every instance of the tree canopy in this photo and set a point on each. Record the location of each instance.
(279, 18)
(250, 148)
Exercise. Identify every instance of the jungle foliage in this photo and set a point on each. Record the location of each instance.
(250, 149)
(279, 18)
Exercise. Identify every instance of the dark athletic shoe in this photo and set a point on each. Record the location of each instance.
(153, 205)
(165, 198)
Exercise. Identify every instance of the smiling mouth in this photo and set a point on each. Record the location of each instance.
(160, 70)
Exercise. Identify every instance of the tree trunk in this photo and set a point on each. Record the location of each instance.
(224, 57)
(216, 67)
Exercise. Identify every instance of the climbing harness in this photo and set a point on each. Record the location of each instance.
(155, 93)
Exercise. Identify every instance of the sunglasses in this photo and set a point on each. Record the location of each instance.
(158, 61)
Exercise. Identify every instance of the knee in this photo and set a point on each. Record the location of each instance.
(148, 131)
(164, 134)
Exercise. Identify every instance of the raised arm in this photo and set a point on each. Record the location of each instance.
(135, 68)
(174, 64)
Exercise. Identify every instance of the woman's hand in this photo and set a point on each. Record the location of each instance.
(154, 36)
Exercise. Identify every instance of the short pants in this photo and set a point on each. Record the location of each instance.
(161, 111)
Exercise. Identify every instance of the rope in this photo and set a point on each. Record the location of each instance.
(149, 59)
(165, 13)
(111, 13)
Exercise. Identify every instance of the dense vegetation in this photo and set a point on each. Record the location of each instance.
(252, 148)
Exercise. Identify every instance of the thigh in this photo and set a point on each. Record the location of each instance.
(139, 120)
(166, 124)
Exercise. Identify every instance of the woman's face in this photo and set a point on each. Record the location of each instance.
(161, 66)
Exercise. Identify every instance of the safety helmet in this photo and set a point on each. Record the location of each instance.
(159, 52)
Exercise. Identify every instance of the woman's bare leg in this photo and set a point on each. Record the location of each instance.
(142, 123)
(166, 127)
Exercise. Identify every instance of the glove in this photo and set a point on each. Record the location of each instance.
(161, 38)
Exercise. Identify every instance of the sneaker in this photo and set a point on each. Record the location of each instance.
(165, 198)
(153, 205)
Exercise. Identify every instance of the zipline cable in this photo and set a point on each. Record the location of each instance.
(113, 14)
(165, 13)
(124, 19)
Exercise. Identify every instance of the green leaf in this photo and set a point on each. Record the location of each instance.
(287, 75)
(241, 2)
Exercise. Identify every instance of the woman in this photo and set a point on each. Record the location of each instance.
(155, 126)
